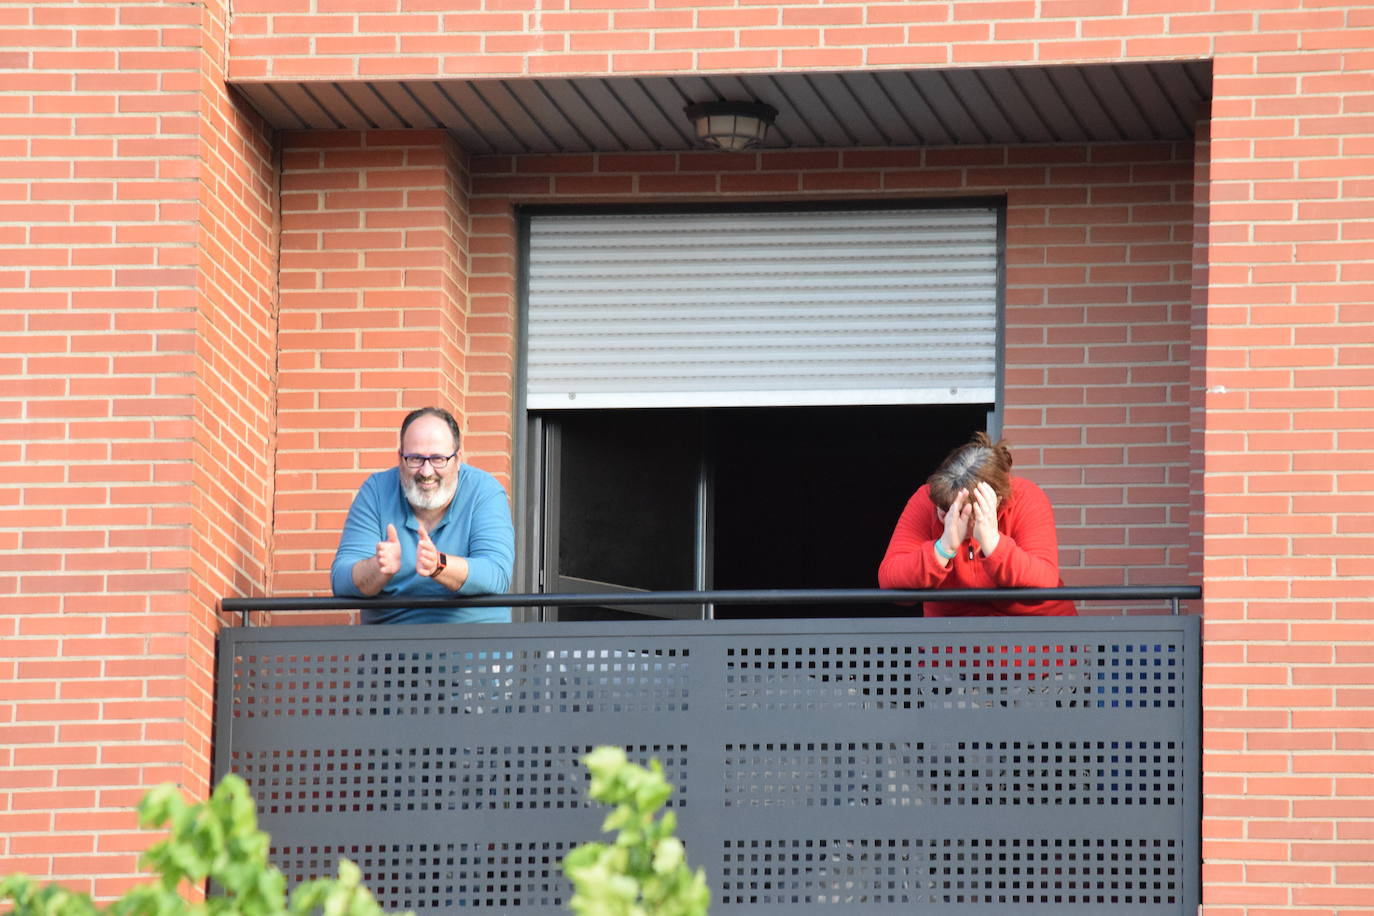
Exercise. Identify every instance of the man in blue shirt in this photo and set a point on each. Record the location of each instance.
(430, 527)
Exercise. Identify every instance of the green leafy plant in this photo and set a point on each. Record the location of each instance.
(218, 840)
(644, 872)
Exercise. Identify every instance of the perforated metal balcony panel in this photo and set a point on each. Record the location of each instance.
(873, 766)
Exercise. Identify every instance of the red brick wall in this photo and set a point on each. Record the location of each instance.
(366, 39)
(135, 287)
(1197, 379)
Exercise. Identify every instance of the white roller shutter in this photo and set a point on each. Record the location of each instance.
(893, 306)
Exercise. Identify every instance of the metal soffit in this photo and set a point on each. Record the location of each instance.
(1115, 102)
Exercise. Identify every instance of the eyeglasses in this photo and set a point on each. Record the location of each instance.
(415, 462)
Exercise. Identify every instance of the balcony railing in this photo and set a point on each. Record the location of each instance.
(878, 765)
(756, 598)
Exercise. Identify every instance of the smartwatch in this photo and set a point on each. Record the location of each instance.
(443, 562)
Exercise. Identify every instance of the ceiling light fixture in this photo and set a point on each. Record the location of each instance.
(731, 125)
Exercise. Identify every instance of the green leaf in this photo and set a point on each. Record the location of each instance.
(645, 872)
(669, 855)
(218, 838)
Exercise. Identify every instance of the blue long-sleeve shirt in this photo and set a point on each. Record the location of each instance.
(477, 526)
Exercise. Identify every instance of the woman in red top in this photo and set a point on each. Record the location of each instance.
(973, 525)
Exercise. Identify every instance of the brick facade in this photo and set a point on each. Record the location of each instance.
(211, 327)
(137, 275)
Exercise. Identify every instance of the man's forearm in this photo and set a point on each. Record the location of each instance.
(455, 574)
(368, 576)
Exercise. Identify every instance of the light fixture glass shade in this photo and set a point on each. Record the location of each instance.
(731, 125)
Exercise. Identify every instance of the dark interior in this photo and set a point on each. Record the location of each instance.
(804, 497)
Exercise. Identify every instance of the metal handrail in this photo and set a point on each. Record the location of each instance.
(755, 597)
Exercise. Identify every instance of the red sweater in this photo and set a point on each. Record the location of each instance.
(1027, 556)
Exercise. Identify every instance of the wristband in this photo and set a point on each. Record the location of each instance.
(443, 562)
(940, 550)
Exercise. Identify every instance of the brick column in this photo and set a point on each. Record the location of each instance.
(137, 285)
(1289, 495)
(374, 321)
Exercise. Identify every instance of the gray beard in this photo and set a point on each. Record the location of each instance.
(437, 499)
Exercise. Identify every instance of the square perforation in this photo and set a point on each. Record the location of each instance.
(420, 779)
(910, 774)
(819, 871)
(954, 675)
(476, 682)
(1116, 871)
(442, 876)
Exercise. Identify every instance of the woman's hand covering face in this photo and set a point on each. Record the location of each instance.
(958, 520)
(985, 518)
